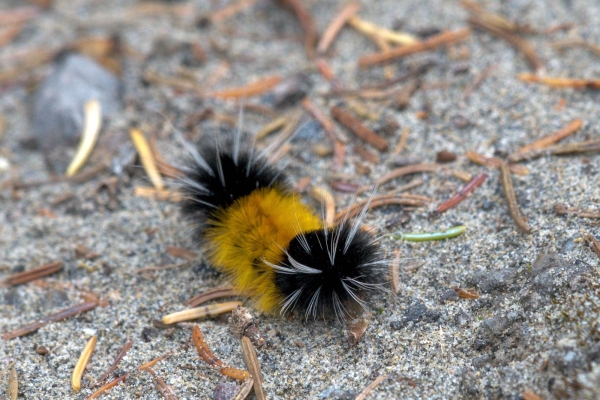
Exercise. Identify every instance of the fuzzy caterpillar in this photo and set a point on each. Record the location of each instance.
(273, 248)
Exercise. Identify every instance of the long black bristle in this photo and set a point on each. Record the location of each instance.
(334, 280)
(241, 178)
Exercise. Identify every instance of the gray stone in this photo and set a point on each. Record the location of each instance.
(58, 114)
(225, 391)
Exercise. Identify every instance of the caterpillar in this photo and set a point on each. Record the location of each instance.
(273, 247)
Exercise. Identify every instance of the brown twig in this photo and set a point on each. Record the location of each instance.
(209, 311)
(336, 25)
(462, 193)
(252, 89)
(244, 389)
(367, 391)
(230, 10)
(243, 324)
(180, 252)
(162, 387)
(379, 201)
(211, 294)
(329, 127)
(409, 169)
(32, 274)
(561, 83)
(431, 43)
(164, 167)
(395, 272)
(326, 198)
(589, 146)
(34, 326)
(494, 162)
(553, 137)
(306, 22)
(114, 364)
(509, 192)
(9, 33)
(361, 131)
(108, 386)
(207, 355)
(13, 385)
(517, 42)
(563, 209)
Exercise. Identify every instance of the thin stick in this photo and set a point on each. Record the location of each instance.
(84, 358)
(157, 194)
(244, 390)
(217, 293)
(32, 274)
(409, 169)
(163, 167)
(114, 364)
(9, 33)
(395, 272)
(252, 89)
(495, 163)
(361, 131)
(34, 326)
(517, 42)
(207, 355)
(91, 129)
(162, 387)
(379, 201)
(563, 209)
(329, 127)
(307, 23)
(201, 312)
(462, 193)
(367, 391)
(108, 386)
(561, 83)
(509, 192)
(419, 47)
(336, 25)
(589, 146)
(553, 137)
(230, 10)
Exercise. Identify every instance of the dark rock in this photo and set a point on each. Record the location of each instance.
(148, 334)
(416, 312)
(449, 295)
(12, 297)
(58, 115)
(225, 391)
(497, 325)
(54, 299)
(461, 318)
(290, 90)
(487, 205)
(568, 246)
(493, 281)
(551, 272)
(593, 353)
(569, 361)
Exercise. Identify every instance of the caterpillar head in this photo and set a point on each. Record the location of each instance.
(330, 271)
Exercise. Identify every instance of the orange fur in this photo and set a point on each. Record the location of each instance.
(257, 227)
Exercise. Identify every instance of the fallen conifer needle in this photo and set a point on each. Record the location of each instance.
(145, 153)
(84, 358)
(201, 312)
(93, 119)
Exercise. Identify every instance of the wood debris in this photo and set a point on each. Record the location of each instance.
(160, 384)
(407, 170)
(306, 22)
(367, 391)
(593, 243)
(113, 366)
(180, 252)
(108, 386)
(32, 274)
(395, 272)
(361, 131)
(495, 163)
(563, 209)
(372, 30)
(336, 25)
(561, 83)
(13, 384)
(66, 313)
(554, 137)
(444, 38)
(379, 201)
(324, 196)
(243, 324)
(462, 193)
(256, 88)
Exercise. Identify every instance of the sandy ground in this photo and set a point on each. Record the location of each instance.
(536, 326)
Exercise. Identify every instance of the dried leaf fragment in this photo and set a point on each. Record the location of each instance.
(84, 358)
(91, 129)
